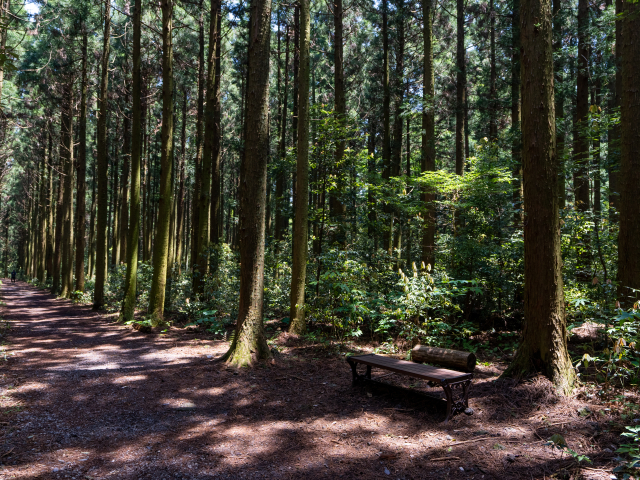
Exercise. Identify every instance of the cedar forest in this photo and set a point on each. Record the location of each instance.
(460, 174)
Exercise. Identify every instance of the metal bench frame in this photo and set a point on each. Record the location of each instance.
(455, 384)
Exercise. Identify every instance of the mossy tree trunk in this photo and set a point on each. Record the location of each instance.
(544, 342)
(161, 241)
(131, 280)
(249, 343)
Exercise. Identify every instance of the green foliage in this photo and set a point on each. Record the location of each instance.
(631, 465)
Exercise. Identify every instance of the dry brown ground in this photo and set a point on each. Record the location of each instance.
(84, 398)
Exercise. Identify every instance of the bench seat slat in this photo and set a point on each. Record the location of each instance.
(411, 369)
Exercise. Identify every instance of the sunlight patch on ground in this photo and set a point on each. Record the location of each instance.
(129, 379)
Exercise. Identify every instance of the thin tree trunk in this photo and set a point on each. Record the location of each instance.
(103, 181)
(195, 215)
(201, 261)
(161, 242)
(581, 140)
(493, 91)
(301, 219)
(428, 160)
(129, 302)
(386, 112)
(67, 199)
(461, 88)
(82, 172)
(216, 172)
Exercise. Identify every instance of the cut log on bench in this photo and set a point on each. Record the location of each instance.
(446, 357)
(449, 380)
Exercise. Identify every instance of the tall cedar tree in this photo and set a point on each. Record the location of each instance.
(249, 342)
(301, 220)
(129, 302)
(103, 181)
(544, 342)
(628, 244)
(81, 170)
(161, 241)
(428, 136)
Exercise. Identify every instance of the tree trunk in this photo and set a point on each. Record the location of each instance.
(516, 142)
(103, 181)
(386, 113)
(195, 220)
(428, 162)
(628, 245)
(614, 145)
(544, 341)
(129, 302)
(82, 172)
(161, 242)
(493, 91)
(42, 218)
(123, 220)
(216, 172)
(581, 140)
(181, 185)
(67, 200)
(50, 209)
(461, 88)
(301, 219)
(201, 261)
(249, 343)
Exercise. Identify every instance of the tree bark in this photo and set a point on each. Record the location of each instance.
(67, 199)
(516, 141)
(201, 261)
(445, 357)
(301, 219)
(249, 343)
(461, 88)
(82, 171)
(581, 140)
(544, 341)
(216, 168)
(161, 242)
(129, 302)
(428, 163)
(628, 245)
(103, 181)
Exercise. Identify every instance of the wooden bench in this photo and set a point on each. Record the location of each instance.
(450, 380)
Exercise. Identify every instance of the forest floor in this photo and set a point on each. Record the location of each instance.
(82, 397)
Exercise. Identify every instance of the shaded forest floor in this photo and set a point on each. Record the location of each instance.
(82, 397)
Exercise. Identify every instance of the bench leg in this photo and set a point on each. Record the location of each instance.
(369, 372)
(354, 371)
(460, 405)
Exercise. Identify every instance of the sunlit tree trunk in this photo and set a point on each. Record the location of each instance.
(249, 343)
(129, 302)
(428, 161)
(544, 341)
(161, 241)
(461, 88)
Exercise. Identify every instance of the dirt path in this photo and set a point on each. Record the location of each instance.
(84, 398)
